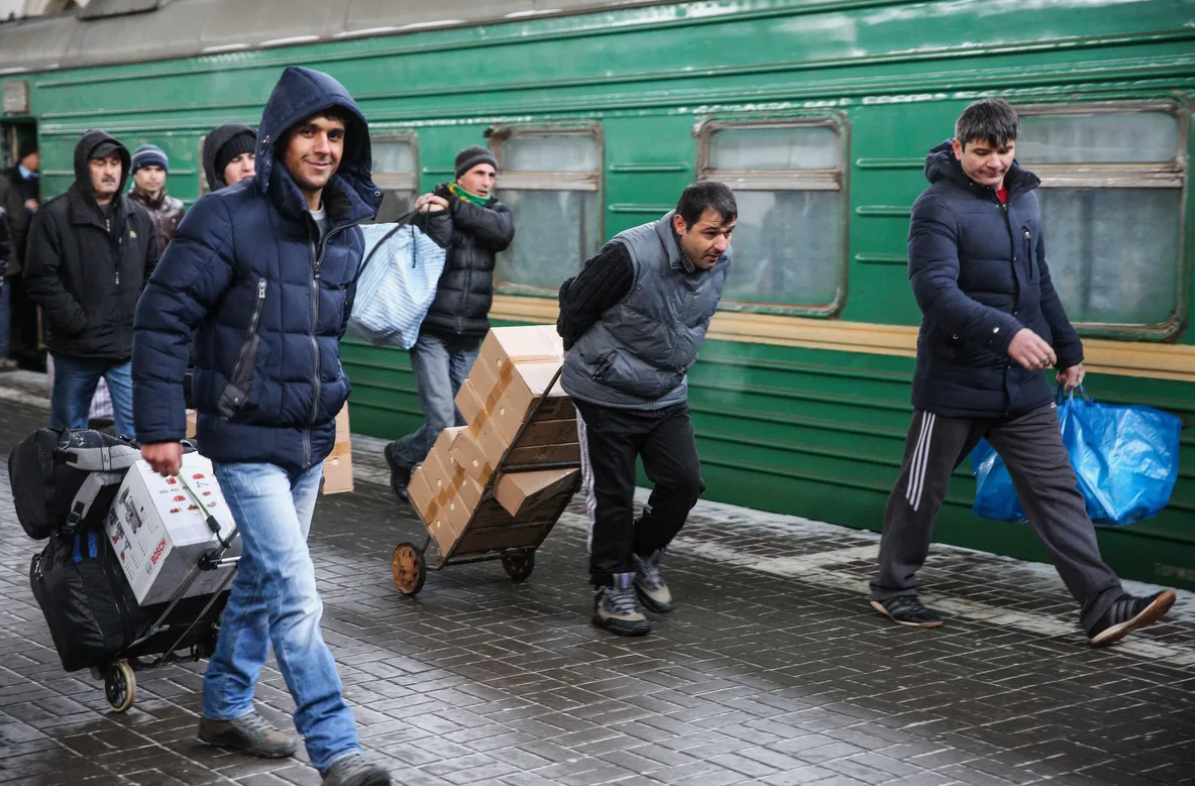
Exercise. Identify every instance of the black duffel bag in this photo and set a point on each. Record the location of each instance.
(93, 615)
(65, 480)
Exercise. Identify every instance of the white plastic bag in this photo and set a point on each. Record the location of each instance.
(397, 284)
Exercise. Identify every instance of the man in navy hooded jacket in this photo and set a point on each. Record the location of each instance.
(264, 269)
(992, 323)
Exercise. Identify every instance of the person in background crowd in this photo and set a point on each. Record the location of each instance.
(5, 290)
(89, 253)
(20, 199)
(229, 155)
(228, 158)
(268, 383)
(632, 322)
(150, 167)
(459, 315)
(992, 323)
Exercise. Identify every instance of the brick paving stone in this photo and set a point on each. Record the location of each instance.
(773, 669)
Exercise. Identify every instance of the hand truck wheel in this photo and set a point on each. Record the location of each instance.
(410, 570)
(519, 565)
(120, 686)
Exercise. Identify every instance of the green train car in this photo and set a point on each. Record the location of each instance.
(818, 112)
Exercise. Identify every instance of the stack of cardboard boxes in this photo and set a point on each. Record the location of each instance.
(501, 481)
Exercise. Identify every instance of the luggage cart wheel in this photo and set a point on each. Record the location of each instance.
(120, 686)
(410, 570)
(519, 565)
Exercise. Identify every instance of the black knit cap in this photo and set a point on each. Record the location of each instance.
(471, 157)
(244, 142)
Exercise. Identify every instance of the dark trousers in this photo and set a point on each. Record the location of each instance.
(1032, 449)
(611, 439)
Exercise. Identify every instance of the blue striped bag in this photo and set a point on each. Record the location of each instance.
(396, 284)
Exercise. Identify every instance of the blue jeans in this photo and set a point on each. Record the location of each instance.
(439, 371)
(274, 600)
(75, 381)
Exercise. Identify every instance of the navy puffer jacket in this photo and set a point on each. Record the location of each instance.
(978, 270)
(270, 298)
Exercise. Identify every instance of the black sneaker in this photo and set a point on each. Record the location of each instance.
(400, 476)
(250, 734)
(615, 609)
(649, 583)
(1128, 614)
(907, 610)
(354, 770)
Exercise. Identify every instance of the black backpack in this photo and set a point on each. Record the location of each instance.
(65, 481)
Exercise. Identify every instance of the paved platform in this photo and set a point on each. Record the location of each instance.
(773, 670)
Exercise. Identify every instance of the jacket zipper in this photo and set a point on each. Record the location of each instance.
(1029, 253)
(317, 259)
(253, 320)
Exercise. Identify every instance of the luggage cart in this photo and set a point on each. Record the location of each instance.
(491, 533)
(184, 625)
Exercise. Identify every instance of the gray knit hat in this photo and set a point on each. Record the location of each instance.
(471, 157)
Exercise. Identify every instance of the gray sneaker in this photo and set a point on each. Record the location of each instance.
(353, 770)
(250, 734)
(649, 583)
(615, 609)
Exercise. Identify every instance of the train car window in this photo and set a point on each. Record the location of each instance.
(1113, 178)
(551, 181)
(789, 241)
(395, 164)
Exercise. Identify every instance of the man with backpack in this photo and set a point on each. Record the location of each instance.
(266, 271)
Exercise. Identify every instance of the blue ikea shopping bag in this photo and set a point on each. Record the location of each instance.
(396, 284)
(1125, 458)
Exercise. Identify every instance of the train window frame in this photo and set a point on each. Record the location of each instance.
(1171, 174)
(399, 181)
(592, 181)
(833, 179)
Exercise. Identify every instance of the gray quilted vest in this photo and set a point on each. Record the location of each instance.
(637, 355)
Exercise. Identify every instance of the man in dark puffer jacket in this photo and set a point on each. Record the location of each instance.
(459, 316)
(265, 269)
(992, 322)
(89, 253)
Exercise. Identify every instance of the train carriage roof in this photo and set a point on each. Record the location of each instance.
(107, 32)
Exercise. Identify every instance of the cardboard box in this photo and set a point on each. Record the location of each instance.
(524, 344)
(527, 384)
(338, 466)
(519, 491)
(469, 403)
(467, 452)
(192, 423)
(160, 533)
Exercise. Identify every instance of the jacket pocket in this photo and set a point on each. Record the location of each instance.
(602, 364)
(240, 382)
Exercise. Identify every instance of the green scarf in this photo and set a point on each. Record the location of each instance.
(457, 190)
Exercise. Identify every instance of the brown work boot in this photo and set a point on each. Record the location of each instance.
(250, 734)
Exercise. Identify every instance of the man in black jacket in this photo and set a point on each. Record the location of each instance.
(992, 322)
(90, 252)
(459, 316)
